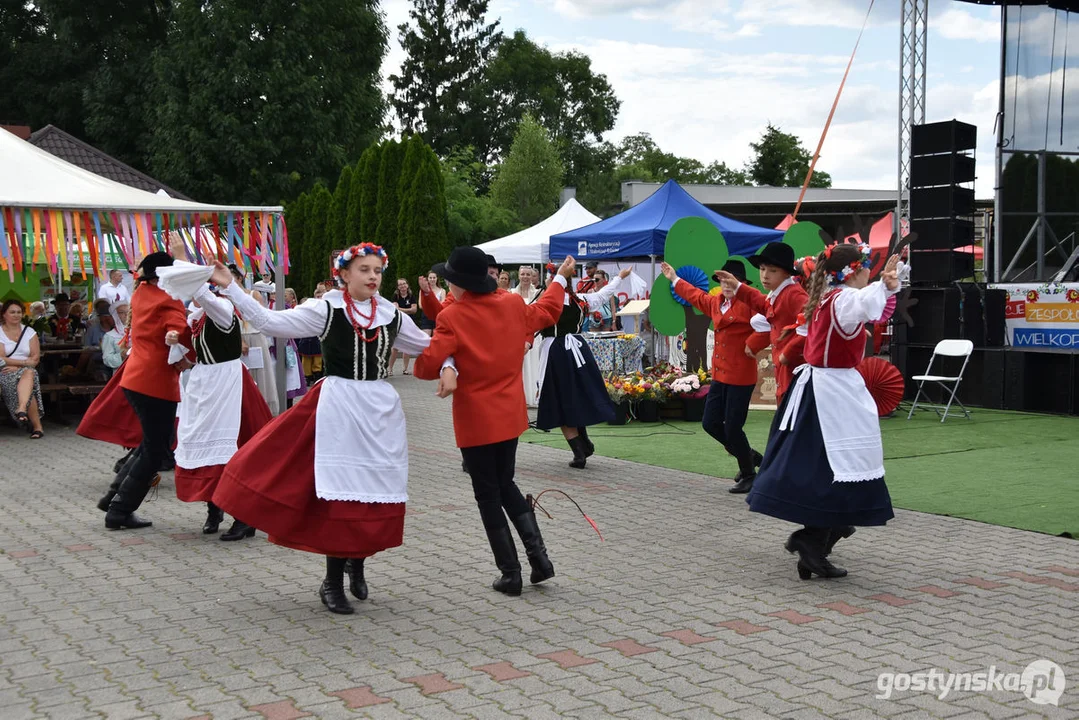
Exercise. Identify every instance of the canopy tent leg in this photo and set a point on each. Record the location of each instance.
(279, 343)
(653, 333)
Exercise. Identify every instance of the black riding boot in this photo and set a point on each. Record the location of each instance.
(589, 448)
(528, 529)
(747, 473)
(356, 581)
(505, 553)
(580, 452)
(810, 544)
(121, 513)
(332, 590)
(125, 465)
(214, 516)
(835, 535)
(238, 531)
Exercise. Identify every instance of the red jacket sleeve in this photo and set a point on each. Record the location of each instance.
(546, 310)
(431, 306)
(752, 297)
(174, 317)
(758, 341)
(443, 344)
(707, 304)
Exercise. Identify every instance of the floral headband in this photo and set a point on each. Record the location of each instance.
(838, 277)
(361, 250)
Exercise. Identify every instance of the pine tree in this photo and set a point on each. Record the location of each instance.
(530, 179)
(447, 46)
(369, 199)
(424, 235)
(389, 203)
(415, 153)
(337, 222)
(295, 216)
(316, 259)
(355, 201)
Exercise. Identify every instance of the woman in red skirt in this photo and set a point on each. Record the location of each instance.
(329, 475)
(222, 407)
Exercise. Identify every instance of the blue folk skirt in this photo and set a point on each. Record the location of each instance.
(796, 483)
(572, 396)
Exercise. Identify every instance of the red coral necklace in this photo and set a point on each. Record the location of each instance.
(352, 313)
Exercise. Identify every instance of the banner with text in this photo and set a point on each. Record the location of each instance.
(1042, 316)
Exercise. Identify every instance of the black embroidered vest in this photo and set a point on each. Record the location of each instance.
(346, 355)
(214, 345)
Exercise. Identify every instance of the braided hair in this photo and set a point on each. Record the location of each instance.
(829, 262)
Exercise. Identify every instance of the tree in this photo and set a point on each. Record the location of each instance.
(780, 160)
(529, 181)
(256, 101)
(423, 240)
(560, 90)
(470, 218)
(295, 220)
(355, 201)
(369, 198)
(337, 222)
(389, 201)
(315, 256)
(447, 47)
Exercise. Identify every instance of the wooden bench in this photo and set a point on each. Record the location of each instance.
(76, 391)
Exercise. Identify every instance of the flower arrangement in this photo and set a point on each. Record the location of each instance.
(689, 386)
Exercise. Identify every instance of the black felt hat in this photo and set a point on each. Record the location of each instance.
(776, 254)
(467, 268)
(736, 268)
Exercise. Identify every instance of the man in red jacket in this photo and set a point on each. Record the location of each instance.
(734, 374)
(152, 386)
(784, 303)
(489, 411)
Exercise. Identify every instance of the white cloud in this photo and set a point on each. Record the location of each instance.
(814, 13)
(956, 24)
(599, 8)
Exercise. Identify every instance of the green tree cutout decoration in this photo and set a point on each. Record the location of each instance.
(690, 241)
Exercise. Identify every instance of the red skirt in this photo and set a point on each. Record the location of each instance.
(270, 484)
(198, 485)
(110, 417)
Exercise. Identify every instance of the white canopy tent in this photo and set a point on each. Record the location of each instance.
(31, 177)
(530, 246)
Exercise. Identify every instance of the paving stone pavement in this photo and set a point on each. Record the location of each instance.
(690, 608)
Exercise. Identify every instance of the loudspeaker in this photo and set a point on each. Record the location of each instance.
(1040, 382)
(941, 202)
(973, 314)
(995, 304)
(947, 169)
(940, 267)
(942, 233)
(942, 137)
(936, 315)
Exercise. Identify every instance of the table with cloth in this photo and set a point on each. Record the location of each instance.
(616, 355)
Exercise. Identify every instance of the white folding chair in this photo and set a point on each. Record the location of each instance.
(945, 348)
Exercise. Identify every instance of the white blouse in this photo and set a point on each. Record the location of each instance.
(18, 349)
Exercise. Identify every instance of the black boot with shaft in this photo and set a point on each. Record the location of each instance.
(580, 452)
(121, 513)
(589, 447)
(528, 529)
(747, 473)
(357, 583)
(505, 553)
(811, 544)
(332, 591)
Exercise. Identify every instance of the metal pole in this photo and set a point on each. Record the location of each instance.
(998, 210)
(1041, 216)
(653, 333)
(279, 343)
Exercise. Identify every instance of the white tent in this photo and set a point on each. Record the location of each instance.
(530, 245)
(31, 177)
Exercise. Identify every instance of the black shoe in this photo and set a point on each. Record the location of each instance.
(214, 516)
(357, 584)
(334, 599)
(810, 543)
(528, 529)
(505, 553)
(125, 521)
(238, 531)
(580, 453)
(743, 486)
(835, 535)
(464, 467)
(757, 459)
(106, 500)
(589, 447)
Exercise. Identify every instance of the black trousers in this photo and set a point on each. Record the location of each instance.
(157, 418)
(725, 411)
(491, 468)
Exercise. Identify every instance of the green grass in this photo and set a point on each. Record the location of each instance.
(1013, 469)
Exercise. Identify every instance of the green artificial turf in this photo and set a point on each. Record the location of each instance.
(1013, 469)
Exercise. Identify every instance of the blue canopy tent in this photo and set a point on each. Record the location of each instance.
(641, 231)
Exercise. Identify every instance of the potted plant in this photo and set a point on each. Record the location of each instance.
(649, 397)
(617, 391)
(693, 394)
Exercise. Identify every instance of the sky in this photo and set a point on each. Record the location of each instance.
(704, 77)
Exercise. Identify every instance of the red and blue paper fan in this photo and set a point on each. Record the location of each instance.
(695, 277)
